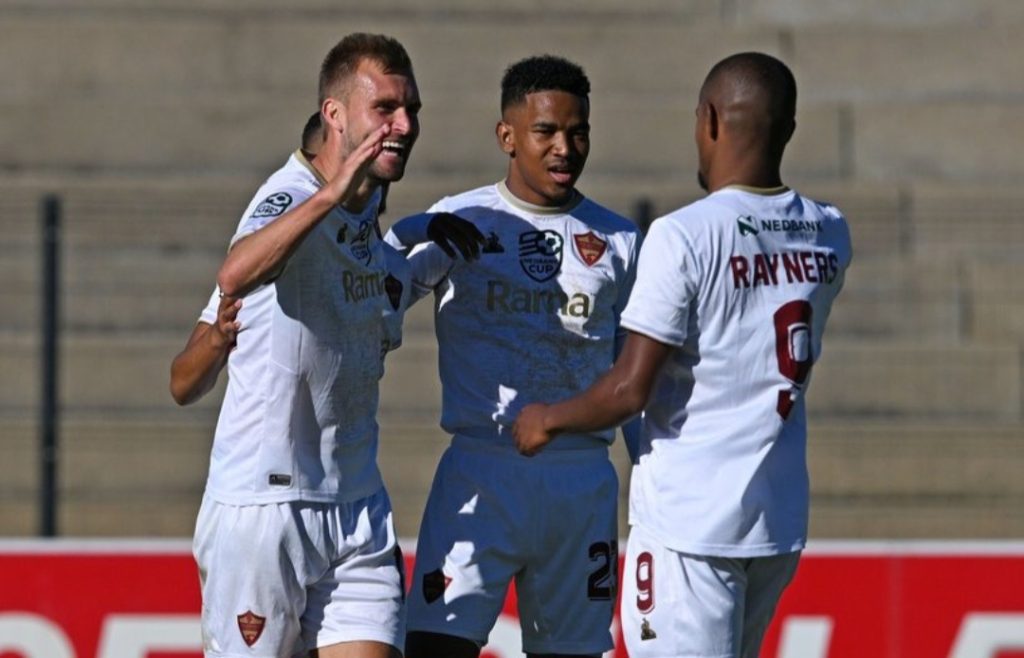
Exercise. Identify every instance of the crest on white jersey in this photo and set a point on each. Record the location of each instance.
(589, 247)
(540, 254)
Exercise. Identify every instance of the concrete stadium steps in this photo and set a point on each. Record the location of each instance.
(117, 476)
(116, 374)
(112, 289)
(891, 138)
(922, 480)
(996, 311)
(895, 297)
(170, 213)
(873, 379)
(865, 14)
(981, 220)
(897, 63)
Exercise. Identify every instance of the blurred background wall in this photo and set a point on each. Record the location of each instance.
(155, 121)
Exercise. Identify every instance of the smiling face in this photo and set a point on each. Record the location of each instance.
(372, 98)
(547, 138)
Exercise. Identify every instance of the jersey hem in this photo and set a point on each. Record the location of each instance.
(723, 550)
(274, 498)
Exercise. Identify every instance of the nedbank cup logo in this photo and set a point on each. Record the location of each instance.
(540, 254)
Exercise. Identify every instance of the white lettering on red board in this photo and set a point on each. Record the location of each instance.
(805, 637)
(33, 636)
(983, 635)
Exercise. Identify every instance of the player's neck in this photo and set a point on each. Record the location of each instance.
(755, 175)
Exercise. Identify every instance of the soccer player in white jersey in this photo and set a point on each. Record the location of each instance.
(295, 540)
(535, 317)
(725, 321)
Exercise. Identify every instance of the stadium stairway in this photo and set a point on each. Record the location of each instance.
(171, 114)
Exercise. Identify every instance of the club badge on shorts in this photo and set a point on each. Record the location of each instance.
(250, 625)
(589, 247)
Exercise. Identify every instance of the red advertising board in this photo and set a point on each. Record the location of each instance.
(74, 599)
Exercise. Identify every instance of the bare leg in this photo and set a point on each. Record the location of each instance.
(359, 649)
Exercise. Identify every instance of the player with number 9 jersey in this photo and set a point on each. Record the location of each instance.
(741, 282)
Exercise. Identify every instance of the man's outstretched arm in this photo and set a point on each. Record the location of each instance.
(619, 394)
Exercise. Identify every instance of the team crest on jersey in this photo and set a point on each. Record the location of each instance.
(434, 585)
(589, 247)
(393, 288)
(251, 625)
(540, 254)
(273, 205)
(360, 244)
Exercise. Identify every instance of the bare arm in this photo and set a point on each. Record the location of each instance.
(194, 370)
(619, 394)
(259, 257)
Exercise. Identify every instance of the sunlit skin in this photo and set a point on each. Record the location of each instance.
(371, 98)
(547, 137)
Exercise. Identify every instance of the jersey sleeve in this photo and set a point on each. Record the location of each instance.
(428, 263)
(269, 205)
(666, 284)
(209, 314)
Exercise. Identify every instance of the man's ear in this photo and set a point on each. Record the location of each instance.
(332, 113)
(505, 134)
(711, 121)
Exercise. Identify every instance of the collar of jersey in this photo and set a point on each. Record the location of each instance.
(533, 209)
(300, 155)
(762, 191)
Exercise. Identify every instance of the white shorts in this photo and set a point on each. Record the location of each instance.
(548, 522)
(282, 579)
(690, 606)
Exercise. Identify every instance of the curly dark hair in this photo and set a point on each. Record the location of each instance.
(542, 73)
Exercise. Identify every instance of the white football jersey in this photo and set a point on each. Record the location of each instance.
(534, 319)
(298, 421)
(741, 283)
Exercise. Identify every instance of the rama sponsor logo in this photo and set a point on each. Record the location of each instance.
(505, 298)
(359, 287)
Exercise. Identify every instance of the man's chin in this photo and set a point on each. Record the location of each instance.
(387, 174)
(703, 182)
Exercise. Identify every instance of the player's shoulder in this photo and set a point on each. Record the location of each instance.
(826, 209)
(697, 216)
(602, 218)
(485, 196)
(287, 187)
